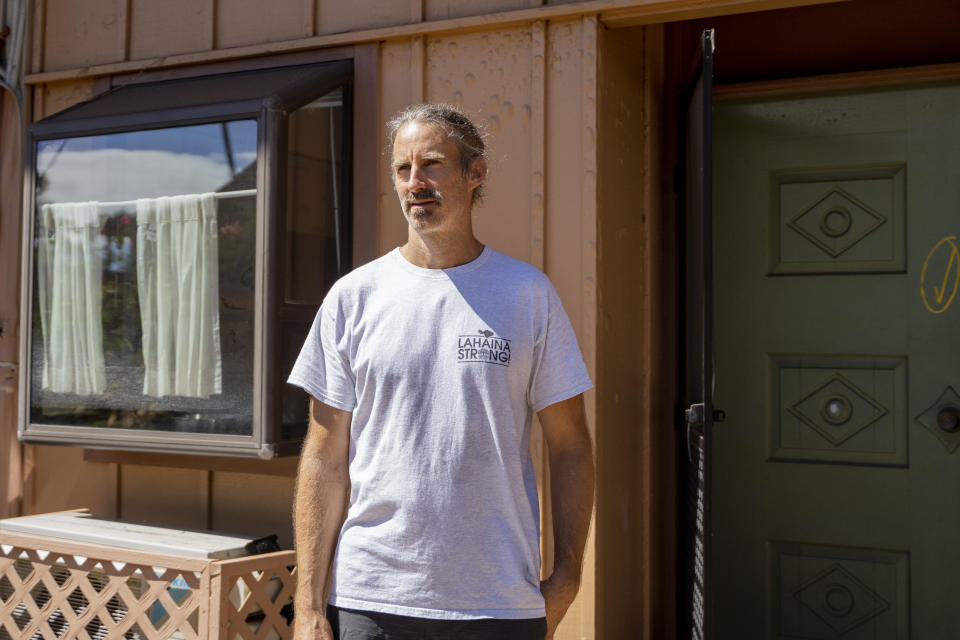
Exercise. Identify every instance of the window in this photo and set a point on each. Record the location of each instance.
(180, 237)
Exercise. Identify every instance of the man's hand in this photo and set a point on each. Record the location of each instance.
(311, 625)
(571, 490)
(558, 593)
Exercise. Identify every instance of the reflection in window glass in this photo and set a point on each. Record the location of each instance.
(314, 200)
(315, 251)
(144, 280)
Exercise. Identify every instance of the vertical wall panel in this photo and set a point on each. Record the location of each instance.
(580, 618)
(396, 92)
(36, 29)
(63, 95)
(626, 188)
(569, 167)
(83, 33)
(166, 496)
(363, 14)
(564, 165)
(488, 74)
(167, 28)
(241, 22)
(11, 479)
(59, 479)
(442, 9)
(253, 505)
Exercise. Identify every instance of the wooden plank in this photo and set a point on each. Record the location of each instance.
(55, 469)
(173, 497)
(235, 566)
(85, 527)
(838, 82)
(169, 28)
(83, 33)
(37, 26)
(588, 205)
(538, 88)
(366, 93)
(101, 553)
(308, 27)
(253, 505)
(286, 467)
(214, 7)
(394, 94)
(363, 14)
(418, 58)
(11, 479)
(250, 22)
(416, 10)
(610, 12)
(123, 23)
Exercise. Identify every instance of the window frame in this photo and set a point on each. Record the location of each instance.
(350, 69)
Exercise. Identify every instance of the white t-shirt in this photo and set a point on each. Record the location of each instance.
(442, 369)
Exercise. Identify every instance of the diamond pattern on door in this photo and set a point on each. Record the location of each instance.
(836, 221)
(838, 598)
(844, 220)
(838, 409)
(940, 419)
(825, 591)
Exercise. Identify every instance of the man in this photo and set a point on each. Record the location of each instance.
(416, 497)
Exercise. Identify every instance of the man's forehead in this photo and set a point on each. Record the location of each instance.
(421, 133)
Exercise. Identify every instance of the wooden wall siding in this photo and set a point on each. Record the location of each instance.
(11, 482)
(401, 84)
(564, 171)
(488, 74)
(160, 495)
(170, 27)
(58, 96)
(242, 22)
(363, 14)
(253, 505)
(444, 9)
(84, 33)
(627, 308)
(57, 478)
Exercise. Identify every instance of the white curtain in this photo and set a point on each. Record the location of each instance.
(69, 279)
(177, 278)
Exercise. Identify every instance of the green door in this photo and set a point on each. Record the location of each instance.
(836, 476)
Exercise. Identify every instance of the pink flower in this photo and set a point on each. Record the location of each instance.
(124, 219)
(231, 229)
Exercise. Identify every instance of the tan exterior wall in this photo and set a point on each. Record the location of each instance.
(532, 87)
(535, 77)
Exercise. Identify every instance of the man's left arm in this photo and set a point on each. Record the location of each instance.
(571, 492)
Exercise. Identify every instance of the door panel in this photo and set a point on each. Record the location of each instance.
(836, 477)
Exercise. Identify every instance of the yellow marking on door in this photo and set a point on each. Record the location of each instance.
(940, 305)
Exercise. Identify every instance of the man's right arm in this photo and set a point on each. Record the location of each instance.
(323, 484)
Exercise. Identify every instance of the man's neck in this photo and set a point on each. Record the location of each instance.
(440, 253)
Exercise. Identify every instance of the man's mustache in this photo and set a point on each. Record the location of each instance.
(422, 194)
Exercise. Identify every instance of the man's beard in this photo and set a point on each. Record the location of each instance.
(422, 194)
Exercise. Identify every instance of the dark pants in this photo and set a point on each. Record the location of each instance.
(349, 624)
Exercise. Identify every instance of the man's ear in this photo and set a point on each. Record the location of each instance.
(478, 173)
